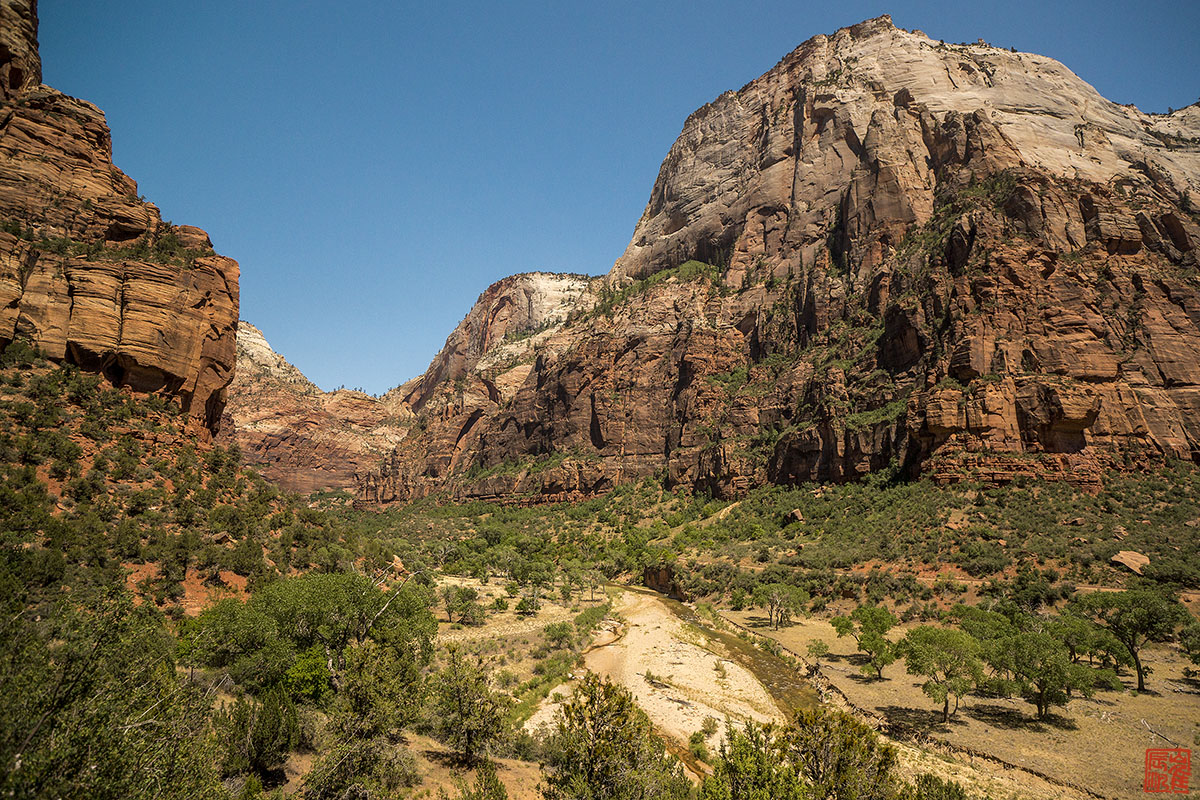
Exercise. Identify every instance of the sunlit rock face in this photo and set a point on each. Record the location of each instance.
(89, 272)
(298, 436)
(955, 260)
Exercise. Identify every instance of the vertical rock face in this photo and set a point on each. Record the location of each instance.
(509, 311)
(298, 436)
(89, 272)
(20, 64)
(885, 253)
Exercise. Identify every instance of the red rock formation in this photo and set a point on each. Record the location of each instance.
(951, 258)
(89, 272)
(298, 436)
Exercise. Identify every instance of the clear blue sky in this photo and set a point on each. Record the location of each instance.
(375, 165)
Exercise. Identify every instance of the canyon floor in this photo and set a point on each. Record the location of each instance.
(683, 667)
(1098, 743)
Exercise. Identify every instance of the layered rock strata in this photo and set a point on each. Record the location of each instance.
(886, 253)
(89, 271)
(298, 436)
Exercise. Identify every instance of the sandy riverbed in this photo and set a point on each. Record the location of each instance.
(691, 677)
(686, 687)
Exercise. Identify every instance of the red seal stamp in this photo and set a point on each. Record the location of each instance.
(1167, 771)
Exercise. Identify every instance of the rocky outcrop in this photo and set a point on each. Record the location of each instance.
(20, 63)
(298, 436)
(89, 272)
(508, 319)
(885, 253)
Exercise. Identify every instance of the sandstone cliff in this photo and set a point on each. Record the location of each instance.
(298, 436)
(89, 272)
(885, 253)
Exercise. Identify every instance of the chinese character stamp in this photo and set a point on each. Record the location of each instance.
(1167, 771)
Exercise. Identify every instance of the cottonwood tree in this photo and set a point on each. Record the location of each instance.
(817, 650)
(1135, 617)
(781, 601)
(592, 580)
(869, 626)
(1084, 638)
(1189, 640)
(949, 659)
(560, 635)
(460, 600)
(259, 641)
(1041, 669)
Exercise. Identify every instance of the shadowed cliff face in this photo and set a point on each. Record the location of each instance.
(934, 258)
(89, 272)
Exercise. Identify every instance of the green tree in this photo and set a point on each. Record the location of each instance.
(91, 704)
(260, 640)
(486, 786)
(823, 754)
(527, 606)
(1041, 669)
(560, 634)
(380, 694)
(470, 717)
(931, 787)
(753, 764)
(841, 758)
(983, 624)
(869, 626)
(1189, 640)
(781, 601)
(1084, 638)
(738, 598)
(1135, 617)
(459, 600)
(260, 734)
(603, 748)
(948, 659)
(592, 580)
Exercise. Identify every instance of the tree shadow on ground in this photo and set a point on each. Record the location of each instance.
(274, 777)
(756, 621)
(1012, 719)
(845, 658)
(865, 678)
(923, 720)
(446, 758)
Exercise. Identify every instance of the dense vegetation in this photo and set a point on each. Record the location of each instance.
(104, 694)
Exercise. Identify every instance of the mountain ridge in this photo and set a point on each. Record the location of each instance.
(298, 436)
(885, 254)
